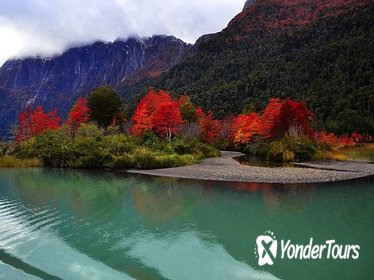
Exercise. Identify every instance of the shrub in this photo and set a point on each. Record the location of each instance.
(280, 152)
(90, 130)
(27, 148)
(144, 158)
(12, 161)
(165, 161)
(292, 148)
(125, 161)
(119, 144)
(88, 152)
(302, 147)
(54, 149)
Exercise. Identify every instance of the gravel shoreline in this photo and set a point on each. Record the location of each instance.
(225, 168)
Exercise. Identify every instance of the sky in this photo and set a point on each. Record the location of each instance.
(48, 27)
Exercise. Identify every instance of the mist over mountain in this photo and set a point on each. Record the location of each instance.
(312, 50)
(57, 82)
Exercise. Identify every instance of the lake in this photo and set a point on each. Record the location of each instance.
(69, 224)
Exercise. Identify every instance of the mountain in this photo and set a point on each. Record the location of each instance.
(57, 82)
(321, 51)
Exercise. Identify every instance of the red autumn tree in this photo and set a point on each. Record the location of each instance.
(210, 128)
(78, 115)
(244, 127)
(294, 118)
(143, 116)
(34, 122)
(285, 117)
(270, 118)
(167, 119)
(227, 123)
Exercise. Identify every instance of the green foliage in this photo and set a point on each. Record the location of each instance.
(54, 149)
(147, 159)
(14, 162)
(90, 130)
(89, 153)
(303, 147)
(280, 152)
(3, 148)
(188, 111)
(91, 148)
(292, 149)
(104, 104)
(125, 161)
(198, 149)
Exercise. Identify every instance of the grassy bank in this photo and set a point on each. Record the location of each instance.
(12, 161)
(363, 152)
(92, 147)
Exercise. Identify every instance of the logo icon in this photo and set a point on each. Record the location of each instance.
(267, 246)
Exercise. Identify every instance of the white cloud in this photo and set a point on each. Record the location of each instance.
(47, 27)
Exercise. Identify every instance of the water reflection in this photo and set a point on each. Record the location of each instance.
(32, 242)
(115, 225)
(187, 255)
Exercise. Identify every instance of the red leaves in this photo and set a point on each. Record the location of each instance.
(210, 128)
(35, 122)
(270, 118)
(334, 141)
(293, 117)
(167, 119)
(279, 118)
(78, 115)
(157, 112)
(244, 127)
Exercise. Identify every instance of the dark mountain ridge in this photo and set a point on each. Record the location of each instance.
(57, 82)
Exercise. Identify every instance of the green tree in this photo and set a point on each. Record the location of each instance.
(104, 104)
(187, 110)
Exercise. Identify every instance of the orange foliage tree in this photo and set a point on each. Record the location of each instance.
(78, 115)
(278, 118)
(33, 122)
(244, 127)
(144, 112)
(167, 119)
(210, 128)
(157, 112)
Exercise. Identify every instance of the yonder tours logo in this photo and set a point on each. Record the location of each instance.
(266, 250)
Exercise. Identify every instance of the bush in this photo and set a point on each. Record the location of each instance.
(91, 148)
(193, 147)
(125, 161)
(119, 144)
(88, 152)
(54, 149)
(280, 152)
(12, 161)
(90, 130)
(165, 161)
(303, 147)
(27, 148)
(144, 158)
(292, 148)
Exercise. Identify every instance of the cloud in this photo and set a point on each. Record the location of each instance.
(48, 27)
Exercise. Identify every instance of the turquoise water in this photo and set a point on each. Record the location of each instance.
(68, 224)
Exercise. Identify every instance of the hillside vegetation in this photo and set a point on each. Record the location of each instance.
(277, 49)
